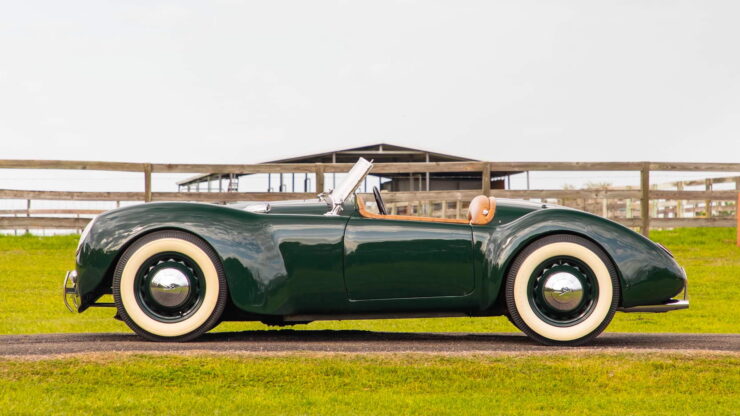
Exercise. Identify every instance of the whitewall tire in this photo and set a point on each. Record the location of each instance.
(562, 290)
(170, 286)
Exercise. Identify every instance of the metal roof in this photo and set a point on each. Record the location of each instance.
(379, 152)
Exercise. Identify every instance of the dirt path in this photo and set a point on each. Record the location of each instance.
(354, 342)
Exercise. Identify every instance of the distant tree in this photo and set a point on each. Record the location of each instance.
(597, 185)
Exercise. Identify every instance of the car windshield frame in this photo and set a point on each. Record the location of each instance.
(335, 197)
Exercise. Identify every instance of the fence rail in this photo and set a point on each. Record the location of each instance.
(642, 196)
(411, 167)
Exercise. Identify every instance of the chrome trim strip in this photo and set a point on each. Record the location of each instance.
(672, 305)
(262, 208)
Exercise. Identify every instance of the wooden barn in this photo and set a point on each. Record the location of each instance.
(379, 153)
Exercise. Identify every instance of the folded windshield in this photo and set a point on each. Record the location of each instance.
(336, 197)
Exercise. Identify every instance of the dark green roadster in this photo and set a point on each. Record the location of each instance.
(176, 270)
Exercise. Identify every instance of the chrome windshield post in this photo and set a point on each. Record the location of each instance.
(336, 197)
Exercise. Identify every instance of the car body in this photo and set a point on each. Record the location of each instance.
(300, 261)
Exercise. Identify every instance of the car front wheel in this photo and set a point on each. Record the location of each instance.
(562, 290)
(169, 286)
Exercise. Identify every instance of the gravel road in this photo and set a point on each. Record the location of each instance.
(354, 342)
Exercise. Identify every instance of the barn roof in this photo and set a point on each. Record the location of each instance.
(379, 153)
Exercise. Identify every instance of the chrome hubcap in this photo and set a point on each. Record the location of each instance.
(169, 287)
(563, 291)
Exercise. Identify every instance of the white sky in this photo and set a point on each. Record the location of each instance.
(244, 82)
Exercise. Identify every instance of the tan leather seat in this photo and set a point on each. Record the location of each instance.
(367, 214)
(482, 209)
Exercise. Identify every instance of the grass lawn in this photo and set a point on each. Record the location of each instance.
(411, 384)
(32, 268)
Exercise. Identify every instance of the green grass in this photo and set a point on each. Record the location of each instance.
(31, 270)
(604, 384)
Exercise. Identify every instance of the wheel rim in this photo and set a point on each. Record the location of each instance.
(170, 287)
(563, 291)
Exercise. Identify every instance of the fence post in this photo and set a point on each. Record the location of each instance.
(319, 179)
(28, 210)
(645, 200)
(737, 209)
(486, 177)
(604, 206)
(148, 182)
(708, 202)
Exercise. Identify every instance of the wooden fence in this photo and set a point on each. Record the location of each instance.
(429, 199)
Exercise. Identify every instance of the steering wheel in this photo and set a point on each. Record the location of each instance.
(379, 201)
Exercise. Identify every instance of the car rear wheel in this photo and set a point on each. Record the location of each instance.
(170, 286)
(562, 290)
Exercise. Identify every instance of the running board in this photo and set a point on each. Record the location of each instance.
(360, 316)
(671, 305)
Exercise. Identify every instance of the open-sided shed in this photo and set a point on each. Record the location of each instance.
(379, 153)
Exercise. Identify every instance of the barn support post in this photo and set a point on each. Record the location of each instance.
(427, 160)
(334, 174)
(645, 200)
(148, 182)
(428, 206)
